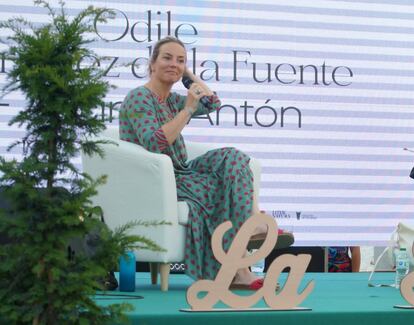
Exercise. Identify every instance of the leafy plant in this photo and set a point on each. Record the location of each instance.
(49, 197)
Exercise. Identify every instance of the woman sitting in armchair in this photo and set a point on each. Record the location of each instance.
(218, 186)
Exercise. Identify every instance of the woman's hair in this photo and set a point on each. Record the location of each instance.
(157, 46)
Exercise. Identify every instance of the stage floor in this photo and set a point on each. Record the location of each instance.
(337, 298)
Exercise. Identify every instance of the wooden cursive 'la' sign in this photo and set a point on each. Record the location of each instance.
(217, 290)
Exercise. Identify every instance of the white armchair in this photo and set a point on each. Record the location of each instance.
(141, 186)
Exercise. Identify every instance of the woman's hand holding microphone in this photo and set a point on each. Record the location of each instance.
(197, 90)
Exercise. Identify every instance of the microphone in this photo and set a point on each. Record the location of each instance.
(412, 170)
(187, 82)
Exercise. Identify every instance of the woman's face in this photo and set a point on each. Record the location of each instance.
(170, 63)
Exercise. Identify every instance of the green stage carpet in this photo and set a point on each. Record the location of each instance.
(336, 299)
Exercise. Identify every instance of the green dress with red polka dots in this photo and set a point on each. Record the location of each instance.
(217, 186)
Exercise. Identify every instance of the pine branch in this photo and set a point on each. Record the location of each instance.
(50, 199)
(90, 147)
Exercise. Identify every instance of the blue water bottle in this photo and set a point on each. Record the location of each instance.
(127, 272)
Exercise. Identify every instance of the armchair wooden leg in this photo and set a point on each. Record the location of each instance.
(154, 268)
(164, 271)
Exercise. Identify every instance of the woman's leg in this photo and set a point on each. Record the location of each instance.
(261, 229)
(255, 207)
(285, 238)
(244, 276)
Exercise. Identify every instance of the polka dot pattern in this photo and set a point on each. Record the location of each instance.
(218, 186)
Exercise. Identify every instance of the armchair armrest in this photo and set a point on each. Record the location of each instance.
(140, 185)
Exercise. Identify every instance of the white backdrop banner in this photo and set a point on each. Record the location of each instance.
(321, 91)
